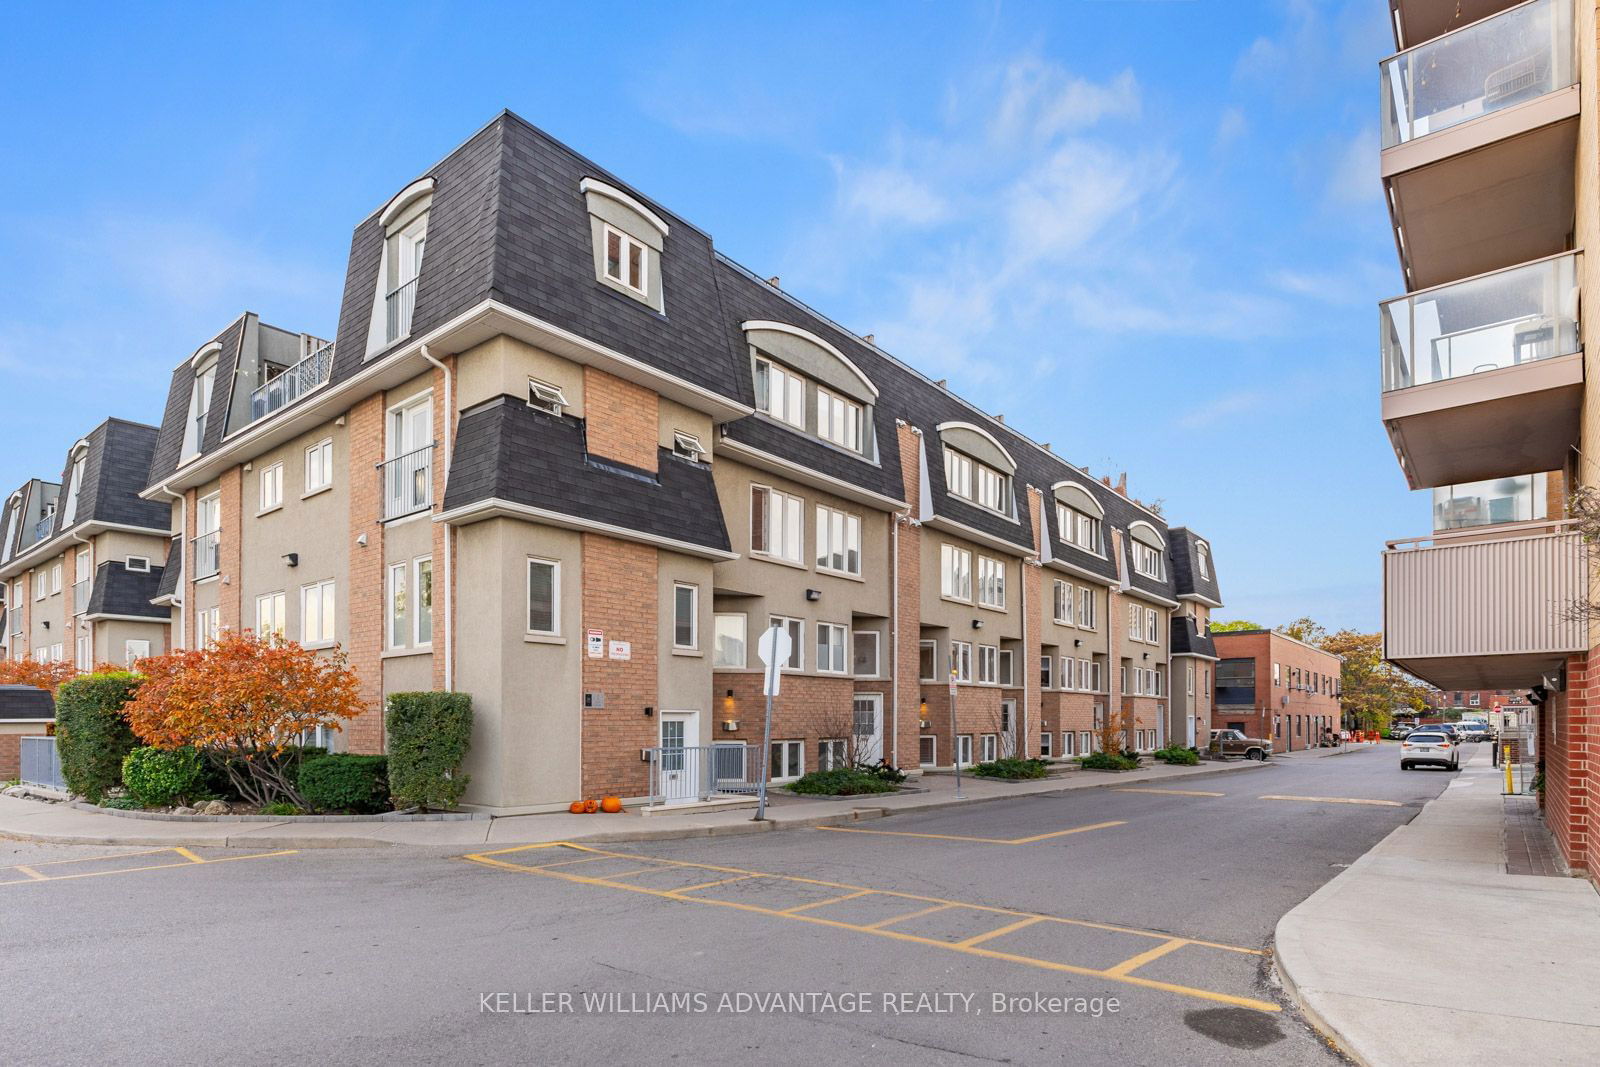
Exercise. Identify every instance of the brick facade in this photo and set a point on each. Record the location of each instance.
(908, 598)
(230, 588)
(1569, 744)
(620, 595)
(1282, 710)
(365, 588)
(621, 419)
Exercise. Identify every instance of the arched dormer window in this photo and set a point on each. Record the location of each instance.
(977, 467)
(405, 238)
(805, 382)
(1080, 518)
(1202, 559)
(204, 363)
(78, 460)
(1149, 550)
(629, 239)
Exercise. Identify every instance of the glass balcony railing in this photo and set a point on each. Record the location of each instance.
(1490, 503)
(1513, 316)
(292, 384)
(1519, 54)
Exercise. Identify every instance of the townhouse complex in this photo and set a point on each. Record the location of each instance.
(564, 456)
(1489, 164)
(1274, 686)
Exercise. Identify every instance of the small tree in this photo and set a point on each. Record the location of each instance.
(32, 672)
(246, 701)
(92, 734)
(429, 735)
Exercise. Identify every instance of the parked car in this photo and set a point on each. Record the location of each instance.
(1400, 731)
(1430, 747)
(1472, 730)
(1449, 729)
(1235, 743)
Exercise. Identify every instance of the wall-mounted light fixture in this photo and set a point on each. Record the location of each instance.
(292, 558)
(1077, 642)
(813, 594)
(649, 711)
(977, 624)
(1147, 655)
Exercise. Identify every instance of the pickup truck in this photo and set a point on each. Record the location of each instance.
(1226, 743)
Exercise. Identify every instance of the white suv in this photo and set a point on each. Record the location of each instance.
(1432, 747)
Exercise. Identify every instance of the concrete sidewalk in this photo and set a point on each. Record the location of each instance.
(1427, 952)
(33, 820)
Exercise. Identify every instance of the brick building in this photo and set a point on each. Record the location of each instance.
(574, 462)
(1270, 685)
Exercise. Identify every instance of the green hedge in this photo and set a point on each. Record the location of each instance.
(841, 782)
(1012, 769)
(1108, 761)
(1177, 754)
(429, 734)
(157, 777)
(92, 735)
(344, 782)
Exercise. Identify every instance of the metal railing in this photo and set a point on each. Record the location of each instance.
(406, 483)
(1506, 318)
(41, 764)
(1517, 55)
(700, 772)
(207, 554)
(42, 528)
(401, 302)
(82, 593)
(292, 384)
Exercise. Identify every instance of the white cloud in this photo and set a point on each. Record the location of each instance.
(1231, 126)
(889, 195)
(1353, 177)
(1040, 100)
(1059, 205)
(1221, 409)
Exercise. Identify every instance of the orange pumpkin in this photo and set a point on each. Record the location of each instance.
(576, 807)
(611, 805)
(591, 806)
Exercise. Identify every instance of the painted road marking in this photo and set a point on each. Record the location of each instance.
(981, 840)
(185, 859)
(1336, 800)
(1169, 792)
(1012, 921)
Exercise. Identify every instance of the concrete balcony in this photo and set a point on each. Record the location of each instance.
(1483, 378)
(1485, 609)
(1480, 133)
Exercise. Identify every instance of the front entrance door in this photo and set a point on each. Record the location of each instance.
(1008, 728)
(868, 728)
(680, 757)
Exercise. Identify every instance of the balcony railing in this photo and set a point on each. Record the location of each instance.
(42, 528)
(207, 555)
(1513, 316)
(292, 384)
(406, 483)
(401, 302)
(1517, 55)
(1495, 502)
(81, 593)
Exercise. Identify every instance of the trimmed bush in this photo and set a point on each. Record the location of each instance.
(1178, 755)
(841, 782)
(156, 777)
(344, 782)
(92, 734)
(1108, 761)
(429, 734)
(1012, 769)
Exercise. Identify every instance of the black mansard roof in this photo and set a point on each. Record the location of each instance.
(119, 591)
(1186, 573)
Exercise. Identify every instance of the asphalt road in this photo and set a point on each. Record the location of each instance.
(401, 956)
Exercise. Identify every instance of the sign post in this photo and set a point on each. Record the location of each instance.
(773, 648)
(955, 738)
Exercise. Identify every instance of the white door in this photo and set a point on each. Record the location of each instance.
(1008, 728)
(409, 482)
(868, 719)
(1190, 742)
(680, 756)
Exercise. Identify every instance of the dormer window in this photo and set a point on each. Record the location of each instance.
(1079, 517)
(627, 261)
(205, 381)
(546, 397)
(405, 242)
(80, 460)
(1148, 551)
(629, 239)
(780, 393)
(687, 446)
(1202, 555)
(838, 420)
(805, 382)
(977, 482)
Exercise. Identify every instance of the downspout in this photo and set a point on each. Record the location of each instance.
(183, 565)
(449, 539)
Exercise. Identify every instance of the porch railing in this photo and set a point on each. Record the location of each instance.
(406, 483)
(292, 384)
(41, 764)
(700, 772)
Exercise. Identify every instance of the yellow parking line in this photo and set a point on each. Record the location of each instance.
(1004, 930)
(1122, 969)
(708, 885)
(190, 856)
(979, 840)
(1336, 800)
(881, 923)
(1169, 792)
(640, 870)
(187, 862)
(830, 900)
(31, 873)
(91, 859)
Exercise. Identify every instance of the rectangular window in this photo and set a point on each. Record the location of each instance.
(1078, 528)
(271, 609)
(788, 760)
(1096, 682)
(838, 541)
(927, 750)
(685, 616)
(86, 652)
(964, 749)
(728, 650)
(1086, 614)
(1045, 672)
(1063, 603)
(1085, 742)
(961, 660)
(1065, 674)
(1202, 556)
(544, 596)
(81, 569)
(1277, 674)
(627, 261)
(928, 661)
(271, 485)
(1188, 678)
(991, 582)
(988, 664)
(989, 748)
(546, 397)
(830, 648)
(865, 649)
(838, 420)
(41, 585)
(955, 572)
(780, 393)
(958, 474)
(55, 579)
(316, 614)
(994, 490)
(832, 753)
(775, 524)
(1147, 560)
(1067, 738)
(141, 564)
(1152, 628)
(319, 466)
(423, 595)
(797, 633)
(1045, 745)
(1135, 623)
(207, 625)
(1007, 667)
(399, 607)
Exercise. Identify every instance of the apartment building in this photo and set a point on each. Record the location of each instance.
(563, 455)
(1271, 685)
(1489, 161)
(82, 557)
(1194, 651)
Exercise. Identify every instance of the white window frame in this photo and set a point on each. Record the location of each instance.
(964, 749)
(991, 583)
(1047, 745)
(856, 638)
(961, 660)
(783, 393)
(933, 750)
(278, 604)
(784, 518)
(545, 397)
(1086, 607)
(988, 665)
(1135, 623)
(555, 596)
(832, 644)
(136, 564)
(955, 573)
(82, 571)
(797, 641)
(1047, 672)
(832, 753)
(835, 525)
(932, 646)
(1061, 597)
(794, 767)
(319, 466)
(41, 584)
(422, 613)
(694, 616)
(627, 245)
(397, 605)
(687, 446)
(1152, 626)
(1202, 555)
(324, 596)
(990, 748)
(1147, 560)
(269, 482)
(994, 489)
(958, 471)
(839, 419)
(207, 626)
(84, 650)
(55, 578)
(717, 658)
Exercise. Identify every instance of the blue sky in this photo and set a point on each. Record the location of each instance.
(1150, 233)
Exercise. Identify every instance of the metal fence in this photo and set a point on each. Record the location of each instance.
(207, 554)
(41, 765)
(407, 483)
(401, 302)
(700, 772)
